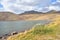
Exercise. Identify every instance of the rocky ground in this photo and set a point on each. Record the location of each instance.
(5, 36)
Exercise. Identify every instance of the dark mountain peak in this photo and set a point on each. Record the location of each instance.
(52, 11)
(31, 12)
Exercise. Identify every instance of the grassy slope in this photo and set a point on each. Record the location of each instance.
(49, 31)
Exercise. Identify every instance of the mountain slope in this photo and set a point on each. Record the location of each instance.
(7, 16)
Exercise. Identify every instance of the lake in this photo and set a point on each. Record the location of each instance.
(11, 26)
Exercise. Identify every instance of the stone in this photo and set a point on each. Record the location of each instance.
(1, 37)
(14, 33)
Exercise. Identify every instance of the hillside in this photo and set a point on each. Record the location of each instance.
(31, 15)
(5, 16)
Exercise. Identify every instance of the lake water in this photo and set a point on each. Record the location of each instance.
(11, 26)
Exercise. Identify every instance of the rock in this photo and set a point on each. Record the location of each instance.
(1, 37)
(7, 34)
(14, 33)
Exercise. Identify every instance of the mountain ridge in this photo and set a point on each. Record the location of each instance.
(28, 15)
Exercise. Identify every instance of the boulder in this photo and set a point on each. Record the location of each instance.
(1, 37)
(14, 33)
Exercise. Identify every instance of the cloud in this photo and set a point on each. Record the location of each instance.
(58, 0)
(19, 6)
(55, 6)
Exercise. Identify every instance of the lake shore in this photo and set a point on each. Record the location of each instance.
(5, 36)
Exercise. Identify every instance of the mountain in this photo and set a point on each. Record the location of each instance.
(8, 16)
(52, 11)
(31, 12)
(29, 15)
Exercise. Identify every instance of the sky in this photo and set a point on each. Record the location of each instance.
(20, 6)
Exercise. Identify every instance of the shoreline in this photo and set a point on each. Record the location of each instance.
(5, 36)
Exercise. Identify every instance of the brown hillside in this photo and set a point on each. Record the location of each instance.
(7, 16)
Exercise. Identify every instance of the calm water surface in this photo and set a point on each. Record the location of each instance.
(11, 26)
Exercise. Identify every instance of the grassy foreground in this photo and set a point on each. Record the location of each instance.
(40, 32)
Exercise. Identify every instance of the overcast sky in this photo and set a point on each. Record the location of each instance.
(19, 6)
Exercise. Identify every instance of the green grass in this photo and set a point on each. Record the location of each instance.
(42, 29)
(39, 32)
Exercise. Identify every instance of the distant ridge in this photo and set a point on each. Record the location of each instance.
(36, 12)
(27, 15)
(31, 12)
(53, 11)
